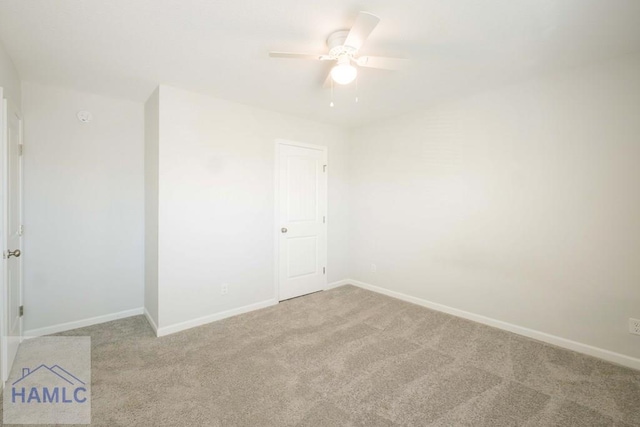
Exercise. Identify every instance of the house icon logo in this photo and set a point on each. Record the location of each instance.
(48, 384)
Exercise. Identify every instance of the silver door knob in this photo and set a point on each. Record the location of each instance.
(15, 253)
(283, 229)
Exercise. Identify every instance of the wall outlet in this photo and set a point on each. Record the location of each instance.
(374, 268)
(634, 326)
(224, 289)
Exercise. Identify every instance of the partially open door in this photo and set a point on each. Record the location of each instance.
(12, 234)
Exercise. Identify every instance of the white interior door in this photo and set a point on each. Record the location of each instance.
(13, 234)
(301, 218)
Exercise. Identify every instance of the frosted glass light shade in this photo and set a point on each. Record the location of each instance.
(344, 73)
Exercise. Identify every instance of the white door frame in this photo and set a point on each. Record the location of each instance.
(276, 210)
(3, 289)
(4, 309)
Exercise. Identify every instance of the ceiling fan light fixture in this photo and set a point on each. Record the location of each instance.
(344, 46)
(344, 73)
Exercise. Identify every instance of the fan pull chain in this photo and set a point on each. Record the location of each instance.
(331, 103)
(356, 89)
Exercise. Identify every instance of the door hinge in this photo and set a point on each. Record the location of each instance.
(21, 230)
(20, 149)
(324, 168)
(21, 310)
(324, 219)
(324, 270)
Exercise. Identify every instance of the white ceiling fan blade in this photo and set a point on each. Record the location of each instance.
(364, 25)
(382, 63)
(293, 55)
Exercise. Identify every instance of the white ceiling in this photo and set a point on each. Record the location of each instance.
(124, 48)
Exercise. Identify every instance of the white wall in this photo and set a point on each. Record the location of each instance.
(216, 207)
(83, 207)
(521, 204)
(151, 152)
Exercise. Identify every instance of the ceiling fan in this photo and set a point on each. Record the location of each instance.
(343, 49)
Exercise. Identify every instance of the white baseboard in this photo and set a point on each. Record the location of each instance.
(338, 283)
(151, 321)
(600, 353)
(62, 327)
(166, 330)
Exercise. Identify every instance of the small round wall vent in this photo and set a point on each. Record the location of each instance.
(84, 116)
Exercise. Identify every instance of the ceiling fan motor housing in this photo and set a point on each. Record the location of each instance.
(336, 40)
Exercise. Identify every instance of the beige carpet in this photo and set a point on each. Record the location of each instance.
(349, 357)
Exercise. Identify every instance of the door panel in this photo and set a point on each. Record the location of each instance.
(302, 204)
(303, 256)
(302, 194)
